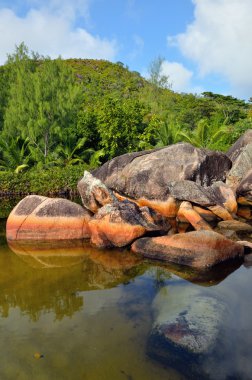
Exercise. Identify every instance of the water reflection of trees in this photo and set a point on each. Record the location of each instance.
(50, 279)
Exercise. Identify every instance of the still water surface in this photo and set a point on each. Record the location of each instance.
(88, 313)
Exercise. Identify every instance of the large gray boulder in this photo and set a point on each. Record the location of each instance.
(147, 174)
(186, 328)
(237, 148)
(244, 190)
(241, 166)
(217, 194)
(241, 156)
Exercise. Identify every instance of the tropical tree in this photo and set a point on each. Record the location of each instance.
(156, 75)
(206, 136)
(120, 123)
(43, 102)
(15, 154)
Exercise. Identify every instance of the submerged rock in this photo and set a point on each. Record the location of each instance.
(122, 222)
(186, 328)
(41, 218)
(248, 260)
(197, 249)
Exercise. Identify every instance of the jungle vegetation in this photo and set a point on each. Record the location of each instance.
(58, 117)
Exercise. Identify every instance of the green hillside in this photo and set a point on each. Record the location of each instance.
(60, 116)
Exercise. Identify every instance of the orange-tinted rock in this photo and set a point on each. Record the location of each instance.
(225, 196)
(121, 223)
(186, 210)
(94, 193)
(244, 201)
(245, 212)
(207, 215)
(107, 234)
(198, 249)
(41, 218)
(168, 207)
(20, 213)
(183, 227)
(221, 212)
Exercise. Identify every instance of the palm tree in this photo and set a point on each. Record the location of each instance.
(205, 135)
(167, 133)
(15, 154)
(71, 154)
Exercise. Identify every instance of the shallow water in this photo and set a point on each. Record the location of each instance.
(88, 313)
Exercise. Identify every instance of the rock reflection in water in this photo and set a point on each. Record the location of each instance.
(47, 282)
(49, 254)
(49, 276)
(206, 278)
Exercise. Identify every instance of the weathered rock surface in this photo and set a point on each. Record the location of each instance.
(237, 148)
(244, 190)
(167, 208)
(187, 324)
(197, 249)
(240, 167)
(167, 190)
(94, 194)
(120, 223)
(224, 196)
(241, 156)
(185, 190)
(207, 215)
(148, 175)
(235, 225)
(245, 212)
(41, 218)
(218, 197)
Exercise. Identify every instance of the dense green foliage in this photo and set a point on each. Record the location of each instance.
(57, 116)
